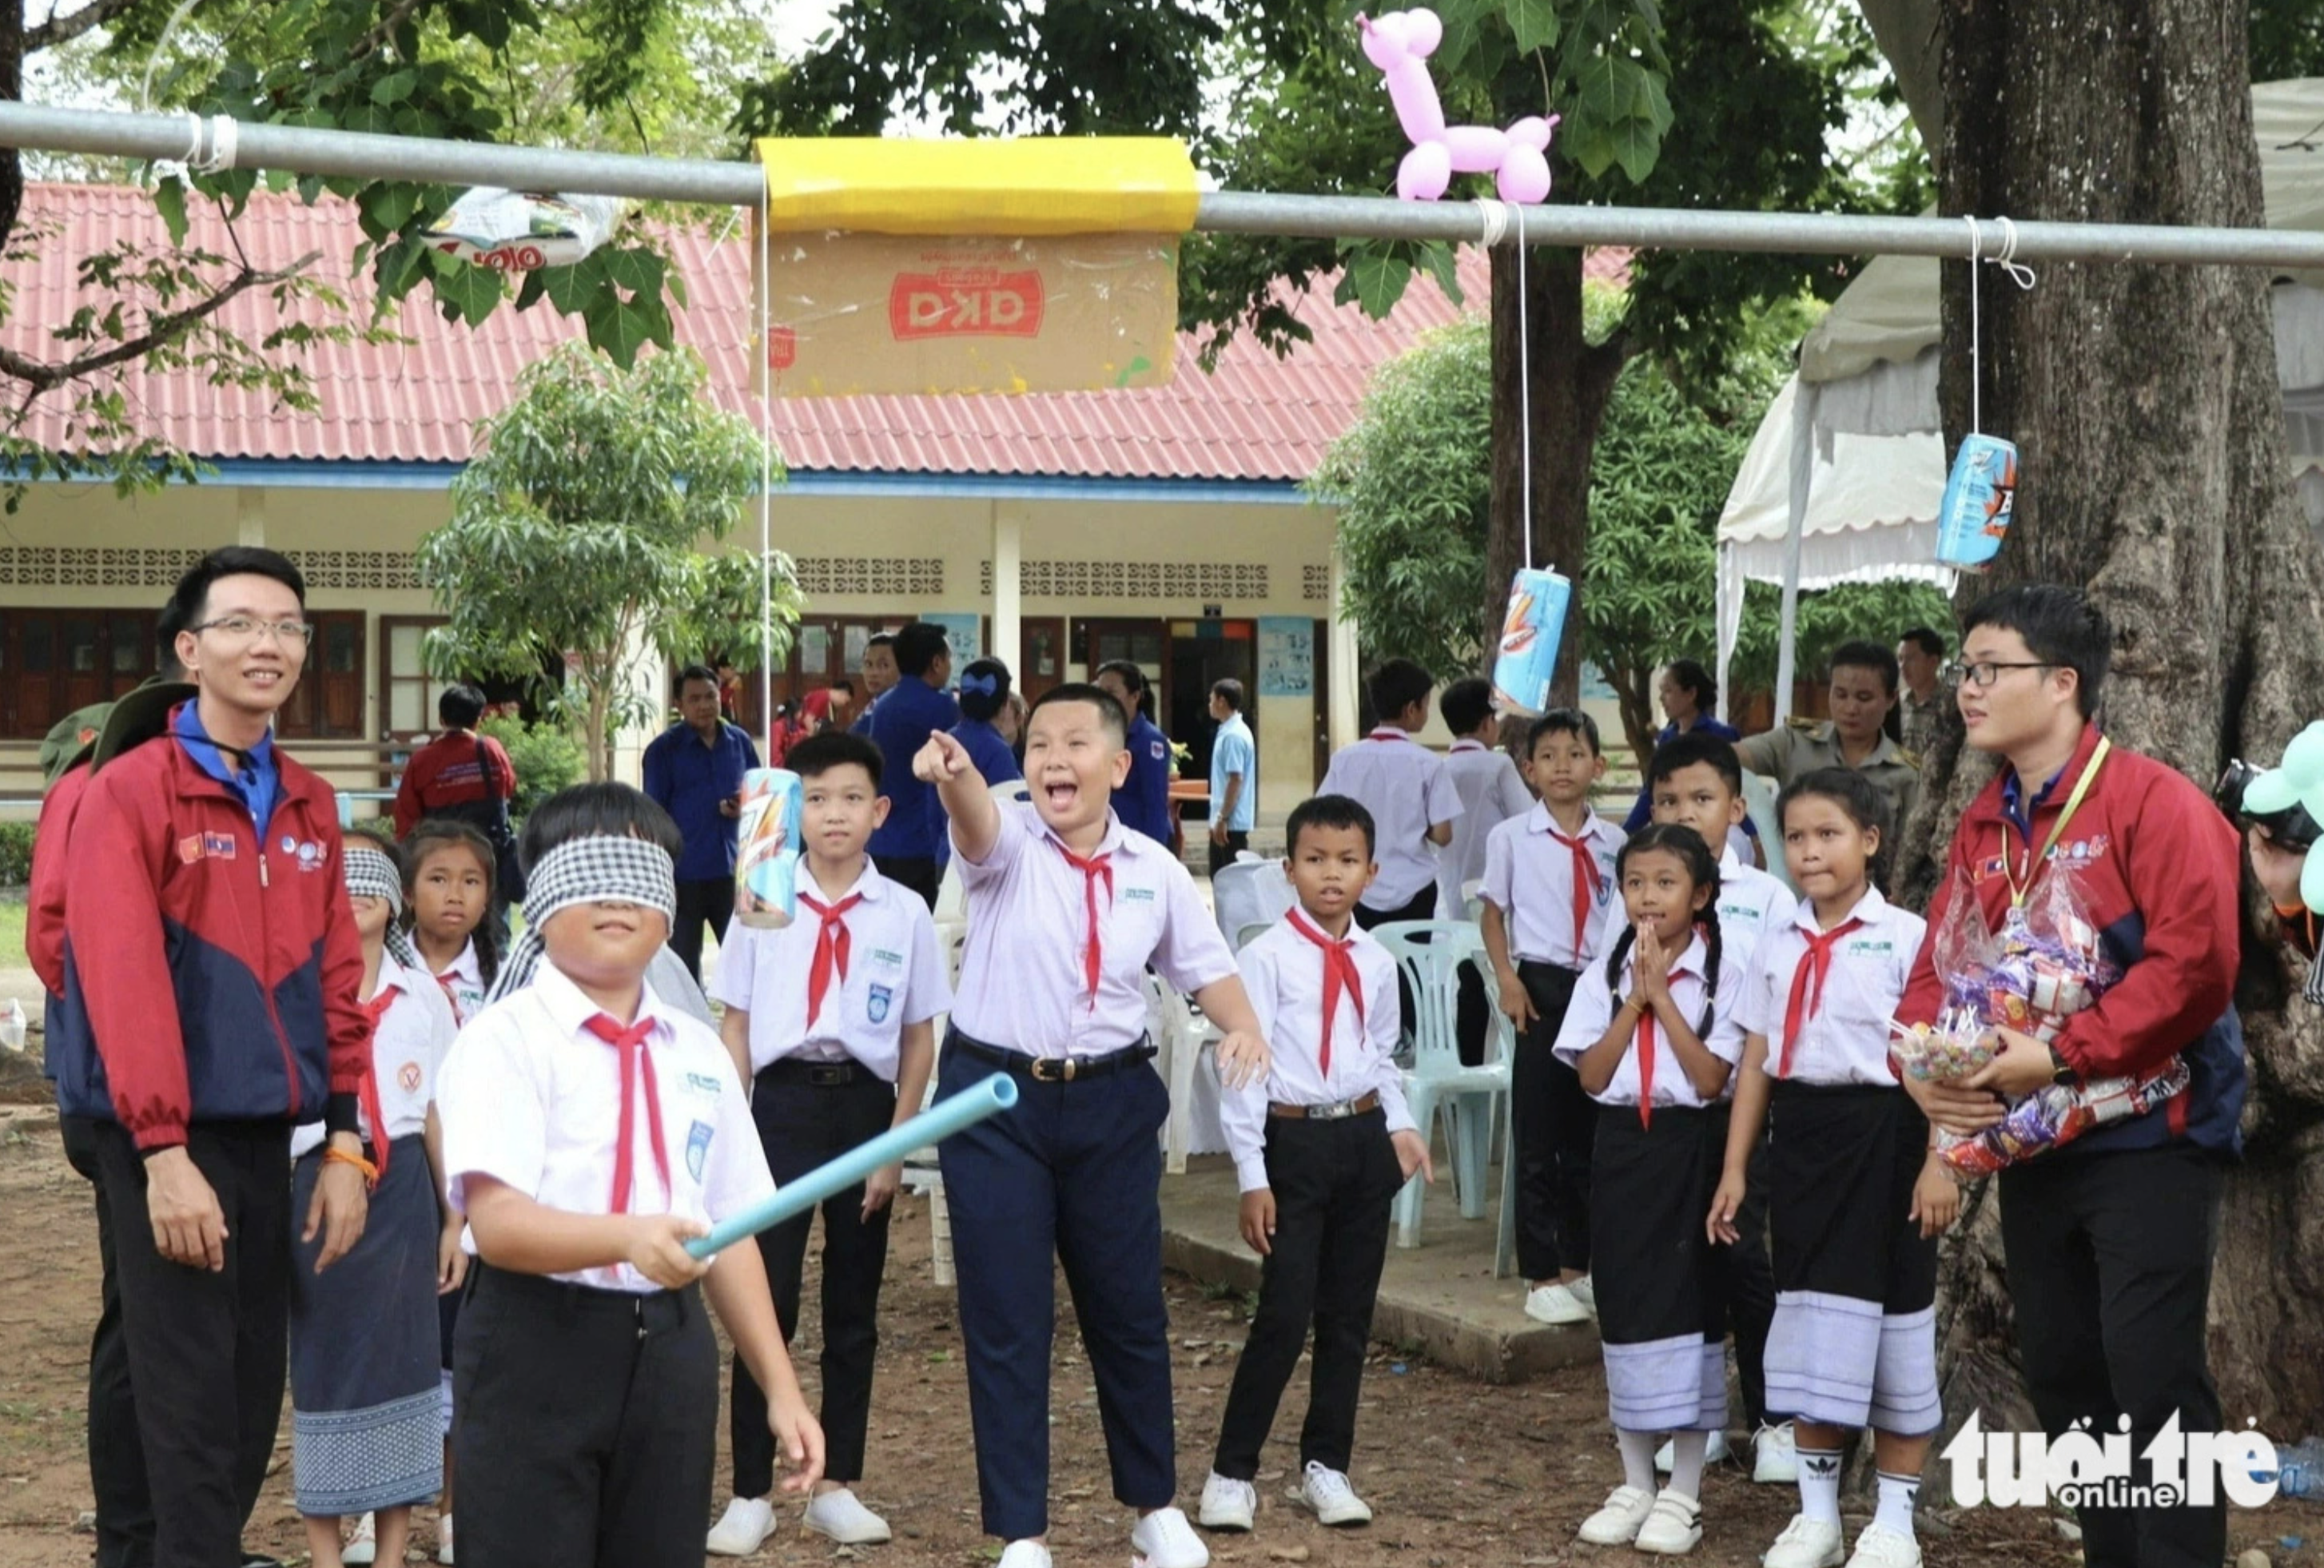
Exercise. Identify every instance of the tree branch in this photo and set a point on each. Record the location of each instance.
(376, 39)
(59, 28)
(40, 377)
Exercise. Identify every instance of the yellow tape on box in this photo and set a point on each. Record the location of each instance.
(955, 267)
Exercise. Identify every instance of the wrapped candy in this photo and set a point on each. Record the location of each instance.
(2046, 963)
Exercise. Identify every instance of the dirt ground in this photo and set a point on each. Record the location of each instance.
(1460, 1472)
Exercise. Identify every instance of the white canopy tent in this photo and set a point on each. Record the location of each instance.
(1843, 482)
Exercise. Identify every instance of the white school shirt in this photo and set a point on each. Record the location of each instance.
(531, 1098)
(1753, 905)
(1593, 1008)
(1023, 985)
(1845, 1040)
(1529, 877)
(1404, 786)
(1490, 793)
(895, 976)
(462, 982)
(407, 1052)
(1283, 971)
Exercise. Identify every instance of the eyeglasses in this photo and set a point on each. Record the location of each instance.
(243, 629)
(1985, 672)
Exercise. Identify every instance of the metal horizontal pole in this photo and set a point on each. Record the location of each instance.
(364, 156)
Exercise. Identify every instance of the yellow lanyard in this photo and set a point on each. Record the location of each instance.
(2019, 890)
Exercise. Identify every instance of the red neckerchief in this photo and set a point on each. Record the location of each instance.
(1339, 974)
(831, 945)
(1807, 988)
(1387, 735)
(373, 1012)
(630, 1045)
(1646, 1053)
(1587, 881)
(1093, 868)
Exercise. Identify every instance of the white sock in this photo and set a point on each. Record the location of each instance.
(1897, 1495)
(1687, 1449)
(1820, 1484)
(1638, 1458)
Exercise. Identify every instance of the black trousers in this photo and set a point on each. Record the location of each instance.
(1555, 1122)
(117, 1458)
(588, 1425)
(1224, 854)
(209, 1353)
(2109, 1272)
(916, 872)
(804, 1125)
(1747, 1279)
(1333, 1183)
(709, 902)
(1422, 907)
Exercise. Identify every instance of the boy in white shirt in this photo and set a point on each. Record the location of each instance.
(1321, 1148)
(590, 1131)
(1490, 792)
(829, 1020)
(1066, 909)
(1697, 782)
(1548, 894)
(1406, 788)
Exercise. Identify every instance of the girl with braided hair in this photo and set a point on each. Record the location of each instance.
(1653, 1037)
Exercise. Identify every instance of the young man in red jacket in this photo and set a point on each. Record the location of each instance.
(212, 959)
(2109, 1239)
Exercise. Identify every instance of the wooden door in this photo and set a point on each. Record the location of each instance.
(1041, 658)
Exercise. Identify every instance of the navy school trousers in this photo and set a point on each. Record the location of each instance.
(1072, 1174)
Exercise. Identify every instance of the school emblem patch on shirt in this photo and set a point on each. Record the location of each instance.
(1158, 749)
(876, 1005)
(408, 1076)
(698, 1147)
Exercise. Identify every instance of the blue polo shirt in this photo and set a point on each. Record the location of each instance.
(687, 778)
(1232, 752)
(1143, 801)
(906, 715)
(257, 785)
(987, 750)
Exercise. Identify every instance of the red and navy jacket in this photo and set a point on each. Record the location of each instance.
(2160, 868)
(210, 969)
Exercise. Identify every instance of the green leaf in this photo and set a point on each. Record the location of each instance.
(170, 200)
(1444, 267)
(1535, 22)
(394, 88)
(620, 331)
(1376, 279)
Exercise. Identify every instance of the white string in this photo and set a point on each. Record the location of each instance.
(1525, 396)
(1496, 216)
(2019, 272)
(766, 473)
(225, 134)
(1976, 371)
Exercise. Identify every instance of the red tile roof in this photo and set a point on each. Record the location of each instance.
(1256, 418)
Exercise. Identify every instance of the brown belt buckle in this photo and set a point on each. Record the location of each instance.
(1051, 1070)
(829, 1076)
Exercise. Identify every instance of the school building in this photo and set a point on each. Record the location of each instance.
(1164, 525)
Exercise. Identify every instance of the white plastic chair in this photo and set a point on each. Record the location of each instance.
(1430, 954)
(1472, 899)
(1249, 896)
(1180, 1039)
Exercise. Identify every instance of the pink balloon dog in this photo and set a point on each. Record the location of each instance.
(1400, 43)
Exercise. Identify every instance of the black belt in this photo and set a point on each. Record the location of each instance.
(652, 1311)
(1054, 1069)
(818, 1074)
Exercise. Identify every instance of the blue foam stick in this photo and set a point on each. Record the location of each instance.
(936, 1123)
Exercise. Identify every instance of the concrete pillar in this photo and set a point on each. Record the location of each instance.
(250, 514)
(1008, 595)
(1347, 668)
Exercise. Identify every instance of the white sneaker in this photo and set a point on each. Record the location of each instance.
(1806, 1542)
(743, 1528)
(1583, 1291)
(362, 1546)
(1228, 1504)
(845, 1519)
(1555, 1304)
(1715, 1451)
(1024, 1555)
(1326, 1490)
(1882, 1548)
(1164, 1539)
(1616, 1524)
(444, 1539)
(1776, 1455)
(1673, 1528)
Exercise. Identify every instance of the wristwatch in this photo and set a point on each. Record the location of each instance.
(2061, 1071)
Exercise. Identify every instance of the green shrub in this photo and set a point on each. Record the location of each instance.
(15, 853)
(546, 758)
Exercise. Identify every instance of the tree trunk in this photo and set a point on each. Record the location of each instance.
(1570, 382)
(600, 742)
(2145, 405)
(12, 88)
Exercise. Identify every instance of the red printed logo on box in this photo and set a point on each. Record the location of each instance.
(964, 303)
(783, 348)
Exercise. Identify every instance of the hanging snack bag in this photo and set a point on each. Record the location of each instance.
(517, 231)
(1530, 633)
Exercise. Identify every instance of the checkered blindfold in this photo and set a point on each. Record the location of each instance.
(587, 871)
(372, 875)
